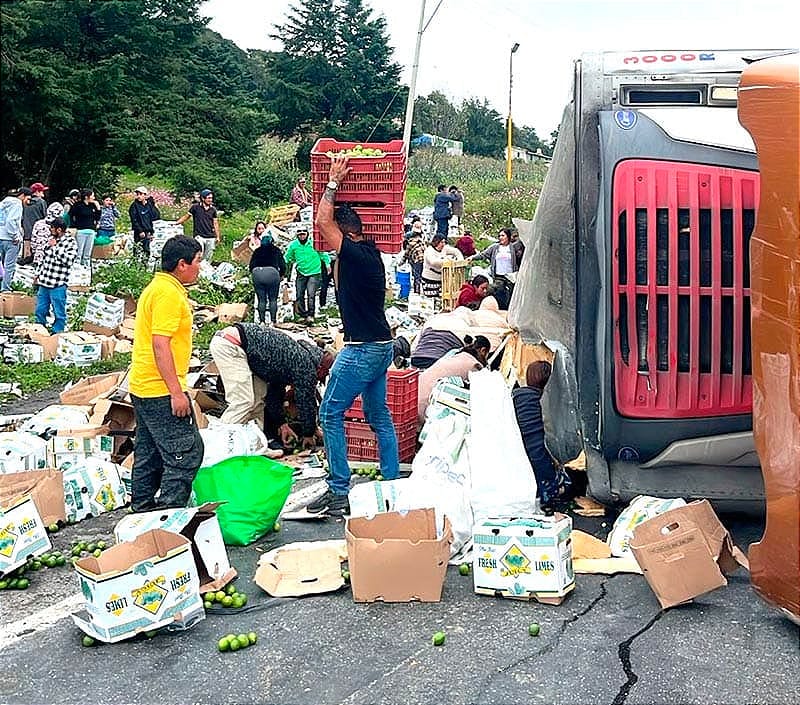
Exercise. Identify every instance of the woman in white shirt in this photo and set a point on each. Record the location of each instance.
(435, 254)
(500, 255)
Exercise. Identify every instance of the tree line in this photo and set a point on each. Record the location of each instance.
(90, 87)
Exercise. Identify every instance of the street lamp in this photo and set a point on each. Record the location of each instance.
(510, 83)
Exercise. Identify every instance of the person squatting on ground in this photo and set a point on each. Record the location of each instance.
(267, 267)
(415, 254)
(11, 208)
(84, 215)
(552, 482)
(473, 292)
(205, 223)
(250, 358)
(435, 255)
(143, 212)
(309, 263)
(168, 448)
(52, 275)
(360, 367)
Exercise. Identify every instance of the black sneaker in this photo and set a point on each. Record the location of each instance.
(330, 503)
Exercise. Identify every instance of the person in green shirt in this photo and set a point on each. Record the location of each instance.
(309, 263)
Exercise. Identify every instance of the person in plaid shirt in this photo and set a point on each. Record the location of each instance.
(52, 275)
(415, 253)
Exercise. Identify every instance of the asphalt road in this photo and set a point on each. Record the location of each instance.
(607, 643)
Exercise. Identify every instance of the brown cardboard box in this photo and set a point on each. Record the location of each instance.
(302, 568)
(46, 488)
(118, 416)
(685, 553)
(107, 346)
(242, 252)
(15, 303)
(126, 329)
(37, 333)
(231, 313)
(99, 330)
(397, 557)
(103, 251)
(89, 389)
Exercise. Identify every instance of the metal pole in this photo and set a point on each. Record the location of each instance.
(509, 124)
(412, 88)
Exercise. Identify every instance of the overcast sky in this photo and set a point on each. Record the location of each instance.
(466, 47)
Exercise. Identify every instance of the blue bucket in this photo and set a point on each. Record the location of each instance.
(404, 280)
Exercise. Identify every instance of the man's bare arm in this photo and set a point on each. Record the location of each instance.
(162, 352)
(325, 222)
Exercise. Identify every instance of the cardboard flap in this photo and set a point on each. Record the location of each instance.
(412, 526)
(587, 546)
(302, 568)
(150, 545)
(46, 488)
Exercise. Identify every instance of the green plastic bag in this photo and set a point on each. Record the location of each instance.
(254, 489)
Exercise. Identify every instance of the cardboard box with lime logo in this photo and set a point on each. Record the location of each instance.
(140, 585)
(22, 533)
(527, 558)
(198, 524)
(91, 487)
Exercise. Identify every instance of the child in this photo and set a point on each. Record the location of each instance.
(52, 275)
(108, 218)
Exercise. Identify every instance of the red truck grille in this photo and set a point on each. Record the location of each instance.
(681, 283)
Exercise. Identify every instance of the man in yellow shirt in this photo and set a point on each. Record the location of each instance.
(168, 448)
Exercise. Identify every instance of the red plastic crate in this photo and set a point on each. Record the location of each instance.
(401, 395)
(382, 225)
(362, 443)
(384, 176)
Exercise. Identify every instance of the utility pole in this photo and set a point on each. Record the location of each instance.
(510, 128)
(412, 88)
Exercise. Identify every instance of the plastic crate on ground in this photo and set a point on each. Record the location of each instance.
(401, 396)
(362, 443)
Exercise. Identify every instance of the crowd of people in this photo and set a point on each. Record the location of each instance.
(266, 370)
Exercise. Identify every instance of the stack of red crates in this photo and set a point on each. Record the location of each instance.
(401, 396)
(375, 187)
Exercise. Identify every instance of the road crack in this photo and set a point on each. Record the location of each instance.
(624, 653)
(550, 645)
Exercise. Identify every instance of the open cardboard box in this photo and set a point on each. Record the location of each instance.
(685, 552)
(302, 568)
(397, 556)
(22, 532)
(45, 488)
(88, 390)
(200, 526)
(140, 585)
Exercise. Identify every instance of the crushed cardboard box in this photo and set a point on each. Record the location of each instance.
(592, 556)
(200, 526)
(397, 557)
(685, 552)
(524, 557)
(302, 568)
(137, 586)
(45, 488)
(92, 487)
(88, 390)
(22, 533)
(231, 313)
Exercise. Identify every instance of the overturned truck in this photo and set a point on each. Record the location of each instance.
(637, 276)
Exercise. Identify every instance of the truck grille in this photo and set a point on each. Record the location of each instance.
(681, 289)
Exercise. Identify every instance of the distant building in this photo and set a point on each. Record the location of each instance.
(525, 155)
(452, 147)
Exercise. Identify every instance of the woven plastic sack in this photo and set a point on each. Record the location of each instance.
(254, 489)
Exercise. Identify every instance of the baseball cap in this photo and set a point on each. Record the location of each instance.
(140, 189)
(24, 191)
(205, 192)
(39, 186)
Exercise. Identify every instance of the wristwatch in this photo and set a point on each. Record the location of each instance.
(332, 185)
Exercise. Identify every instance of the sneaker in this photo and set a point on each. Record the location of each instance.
(330, 503)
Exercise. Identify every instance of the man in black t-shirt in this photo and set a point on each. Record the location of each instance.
(205, 223)
(360, 368)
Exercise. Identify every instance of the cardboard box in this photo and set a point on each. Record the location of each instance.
(302, 568)
(88, 390)
(103, 251)
(99, 330)
(21, 451)
(79, 348)
(117, 415)
(524, 558)
(54, 417)
(14, 353)
(138, 586)
(92, 487)
(397, 557)
(15, 303)
(231, 313)
(45, 488)
(22, 533)
(242, 253)
(200, 526)
(684, 553)
(65, 450)
(126, 329)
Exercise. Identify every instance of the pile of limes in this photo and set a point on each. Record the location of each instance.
(15, 580)
(229, 597)
(369, 471)
(52, 559)
(357, 151)
(235, 642)
(81, 549)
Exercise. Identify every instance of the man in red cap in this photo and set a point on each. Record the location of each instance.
(35, 210)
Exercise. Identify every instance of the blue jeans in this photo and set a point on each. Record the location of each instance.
(359, 369)
(9, 251)
(57, 297)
